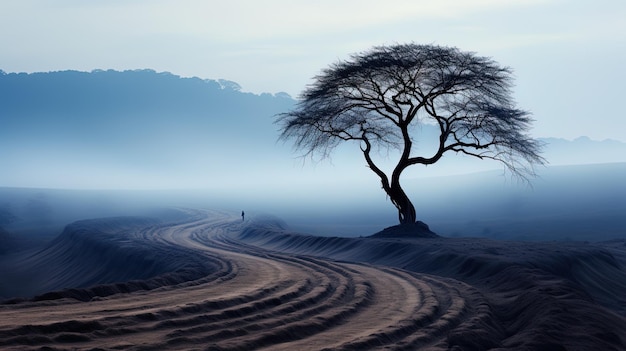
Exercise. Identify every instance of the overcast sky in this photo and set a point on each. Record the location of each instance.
(568, 55)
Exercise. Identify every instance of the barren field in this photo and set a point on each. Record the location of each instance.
(218, 283)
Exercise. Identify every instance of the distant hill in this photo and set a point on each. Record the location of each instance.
(132, 125)
(112, 104)
(583, 150)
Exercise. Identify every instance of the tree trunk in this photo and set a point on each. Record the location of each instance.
(406, 210)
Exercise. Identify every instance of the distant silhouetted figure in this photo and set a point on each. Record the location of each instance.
(243, 214)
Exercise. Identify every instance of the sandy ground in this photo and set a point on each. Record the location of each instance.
(211, 282)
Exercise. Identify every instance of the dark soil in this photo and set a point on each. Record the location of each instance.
(415, 230)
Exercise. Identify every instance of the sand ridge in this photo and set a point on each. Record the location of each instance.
(544, 295)
(270, 289)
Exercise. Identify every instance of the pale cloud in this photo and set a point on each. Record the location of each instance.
(234, 20)
(278, 45)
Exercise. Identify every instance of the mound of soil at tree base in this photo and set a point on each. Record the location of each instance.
(411, 230)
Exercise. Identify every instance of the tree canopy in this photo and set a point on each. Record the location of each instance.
(377, 98)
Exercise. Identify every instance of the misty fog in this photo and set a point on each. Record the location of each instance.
(79, 145)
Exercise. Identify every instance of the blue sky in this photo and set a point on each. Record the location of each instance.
(567, 55)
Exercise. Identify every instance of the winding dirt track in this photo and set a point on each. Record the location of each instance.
(257, 299)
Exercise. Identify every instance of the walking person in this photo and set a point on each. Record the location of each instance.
(243, 214)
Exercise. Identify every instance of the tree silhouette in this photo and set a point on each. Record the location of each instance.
(378, 98)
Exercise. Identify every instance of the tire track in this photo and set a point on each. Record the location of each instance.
(256, 299)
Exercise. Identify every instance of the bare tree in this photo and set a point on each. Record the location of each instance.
(378, 97)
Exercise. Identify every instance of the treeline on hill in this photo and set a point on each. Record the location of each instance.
(114, 95)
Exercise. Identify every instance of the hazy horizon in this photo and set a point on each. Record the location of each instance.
(144, 129)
